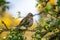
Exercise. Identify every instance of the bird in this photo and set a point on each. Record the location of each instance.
(26, 21)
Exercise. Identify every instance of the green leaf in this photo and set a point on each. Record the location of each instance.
(48, 7)
(1, 31)
(39, 1)
(38, 36)
(51, 28)
(36, 5)
(58, 22)
(58, 3)
(47, 26)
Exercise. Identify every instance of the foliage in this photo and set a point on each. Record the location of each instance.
(49, 21)
(3, 6)
(48, 26)
(16, 35)
(59, 3)
(19, 14)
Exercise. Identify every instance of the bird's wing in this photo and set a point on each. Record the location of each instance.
(31, 23)
(24, 20)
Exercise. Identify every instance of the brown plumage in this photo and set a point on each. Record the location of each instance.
(27, 21)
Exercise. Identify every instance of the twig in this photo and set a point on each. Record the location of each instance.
(50, 34)
(37, 14)
(26, 30)
(5, 25)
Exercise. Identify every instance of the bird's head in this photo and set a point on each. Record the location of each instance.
(30, 16)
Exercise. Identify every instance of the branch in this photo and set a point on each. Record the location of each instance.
(51, 34)
(5, 25)
(37, 14)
